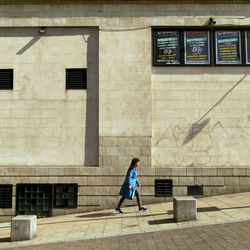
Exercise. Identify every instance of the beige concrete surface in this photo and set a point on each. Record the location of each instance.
(123, 15)
(189, 124)
(211, 210)
(42, 123)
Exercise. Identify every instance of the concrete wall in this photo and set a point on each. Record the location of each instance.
(123, 15)
(42, 123)
(131, 109)
(194, 123)
(124, 97)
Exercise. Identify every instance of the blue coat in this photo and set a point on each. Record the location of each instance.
(130, 180)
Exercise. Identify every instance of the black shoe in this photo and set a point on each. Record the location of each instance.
(142, 209)
(118, 210)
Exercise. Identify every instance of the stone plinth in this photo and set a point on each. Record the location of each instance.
(23, 227)
(185, 209)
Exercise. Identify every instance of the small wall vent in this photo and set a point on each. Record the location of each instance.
(195, 190)
(76, 78)
(65, 195)
(5, 196)
(163, 188)
(6, 79)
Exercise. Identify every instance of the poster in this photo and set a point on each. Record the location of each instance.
(228, 47)
(197, 47)
(247, 36)
(166, 47)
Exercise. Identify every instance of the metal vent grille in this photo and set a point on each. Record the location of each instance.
(6, 78)
(65, 195)
(163, 188)
(76, 78)
(34, 199)
(5, 196)
(195, 190)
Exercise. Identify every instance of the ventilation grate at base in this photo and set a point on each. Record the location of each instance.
(195, 190)
(5, 196)
(163, 188)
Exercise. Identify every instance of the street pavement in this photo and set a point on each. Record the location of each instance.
(233, 236)
(105, 229)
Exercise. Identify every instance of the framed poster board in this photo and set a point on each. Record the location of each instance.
(167, 48)
(197, 47)
(228, 47)
(247, 43)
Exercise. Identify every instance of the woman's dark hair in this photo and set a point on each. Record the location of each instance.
(133, 162)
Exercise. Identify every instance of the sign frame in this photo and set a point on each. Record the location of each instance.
(246, 48)
(210, 48)
(213, 53)
(155, 63)
(240, 48)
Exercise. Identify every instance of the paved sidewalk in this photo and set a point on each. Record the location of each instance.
(211, 210)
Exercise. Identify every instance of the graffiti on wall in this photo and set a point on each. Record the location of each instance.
(205, 144)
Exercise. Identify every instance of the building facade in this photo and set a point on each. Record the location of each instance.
(67, 149)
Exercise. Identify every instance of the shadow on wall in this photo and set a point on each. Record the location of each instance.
(200, 71)
(198, 126)
(195, 130)
(91, 128)
(90, 36)
(28, 45)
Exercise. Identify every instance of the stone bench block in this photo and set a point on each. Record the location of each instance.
(23, 227)
(185, 209)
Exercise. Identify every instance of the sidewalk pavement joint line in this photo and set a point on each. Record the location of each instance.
(117, 235)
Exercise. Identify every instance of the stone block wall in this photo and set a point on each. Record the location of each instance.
(116, 153)
(42, 123)
(131, 109)
(125, 15)
(196, 122)
(98, 187)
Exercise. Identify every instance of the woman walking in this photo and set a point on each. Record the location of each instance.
(128, 189)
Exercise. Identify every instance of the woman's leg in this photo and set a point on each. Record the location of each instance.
(120, 202)
(138, 197)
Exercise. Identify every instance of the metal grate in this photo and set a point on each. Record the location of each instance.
(163, 188)
(34, 199)
(65, 195)
(76, 78)
(6, 78)
(195, 190)
(5, 196)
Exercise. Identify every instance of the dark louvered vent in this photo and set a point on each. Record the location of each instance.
(5, 196)
(6, 78)
(195, 190)
(163, 188)
(76, 78)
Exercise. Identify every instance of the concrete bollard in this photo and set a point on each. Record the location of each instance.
(23, 227)
(185, 209)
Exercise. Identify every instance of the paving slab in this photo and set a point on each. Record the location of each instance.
(159, 217)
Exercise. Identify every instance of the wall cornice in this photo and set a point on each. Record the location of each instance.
(7, 2)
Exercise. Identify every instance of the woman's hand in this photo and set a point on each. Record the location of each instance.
(129, 187)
